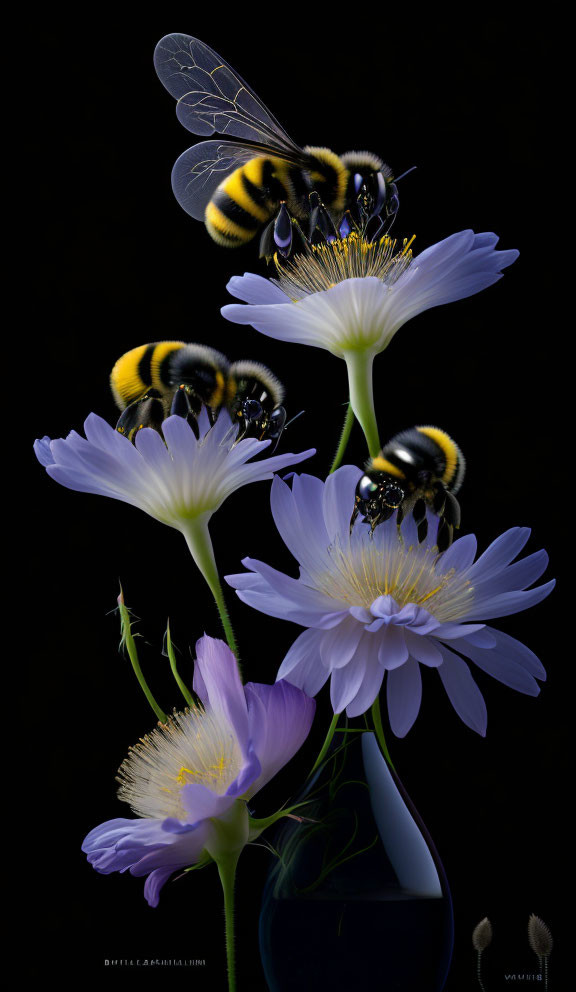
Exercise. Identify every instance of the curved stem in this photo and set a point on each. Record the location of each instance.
(326, 744)
(359, 364)
(377, 718)
(227, 872)
(130, 644)
(344, 438)
(199, 544)
(174, 668)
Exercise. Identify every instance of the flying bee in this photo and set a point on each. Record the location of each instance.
(154, 381)
(260, 178)
(419, 468)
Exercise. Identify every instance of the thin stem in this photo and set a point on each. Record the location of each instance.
(200, 546)
(326, 744)
(172, 659)
(479, 971)
(227, 872)
(128, 641)
(359, 364)
(377, 718)
(344, 438)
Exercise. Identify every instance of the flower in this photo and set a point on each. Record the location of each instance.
(385, 603)
(188, 781)
(176, 480)
(351, 296)
(181, 480)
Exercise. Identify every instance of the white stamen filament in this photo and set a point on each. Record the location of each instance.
(193, 747)
(322, 266)
(363, 572)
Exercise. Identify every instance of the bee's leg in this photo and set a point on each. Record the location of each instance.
(355, 512)
(274, 428)
(283, 231)
(148, 411)
(439, 501)
(445, 534)
(419, 516)
(183, 407)
(320, 220)
(452, 511)
(347, 225)
(267, 245)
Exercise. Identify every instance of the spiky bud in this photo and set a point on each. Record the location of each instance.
(539, 937)
(482, 934)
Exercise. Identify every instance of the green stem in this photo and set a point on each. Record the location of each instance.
(377, 718)
(227, 872)
(344, 438)
(326, 744)
(359, 364)
(172, 659)
(128, 641)
(199, 544)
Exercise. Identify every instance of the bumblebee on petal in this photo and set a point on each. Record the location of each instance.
(419, 468)
(154, 381)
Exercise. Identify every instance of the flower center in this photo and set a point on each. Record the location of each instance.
(322, 266)
(409, 574)
(193, 747)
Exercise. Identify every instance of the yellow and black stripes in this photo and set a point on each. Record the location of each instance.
(141, 369)
(420, 450)
(248, 199)
(166, 365)
(452, 458)
(250, 196)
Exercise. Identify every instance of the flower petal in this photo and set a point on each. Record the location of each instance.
(280, 717)
(345, 682)
(404, 695)
(217, 683)
(302, 665)
(463, 692)
(256, 289)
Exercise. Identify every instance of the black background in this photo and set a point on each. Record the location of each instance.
(117, 263)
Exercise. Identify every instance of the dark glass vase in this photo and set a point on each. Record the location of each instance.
(358, 898)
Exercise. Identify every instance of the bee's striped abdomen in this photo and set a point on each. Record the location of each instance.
(140, 369)
(454, 466)
(246, 200)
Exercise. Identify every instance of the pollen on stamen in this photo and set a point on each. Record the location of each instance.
(193, 747)
(321, 266)
(362, 571)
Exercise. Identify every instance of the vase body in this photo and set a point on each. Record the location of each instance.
(357, 898)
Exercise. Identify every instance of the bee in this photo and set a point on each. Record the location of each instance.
(258, 177)
(154, 381)
(420, 467)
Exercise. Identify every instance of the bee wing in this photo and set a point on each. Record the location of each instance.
(200, 170)
(213, 98)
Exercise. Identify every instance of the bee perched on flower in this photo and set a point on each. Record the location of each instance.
(381, 603)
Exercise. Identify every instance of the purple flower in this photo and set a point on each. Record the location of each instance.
(188, 781)
(387, 604)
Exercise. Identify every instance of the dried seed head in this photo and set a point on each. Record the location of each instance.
(539, 937)
(482, 934)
